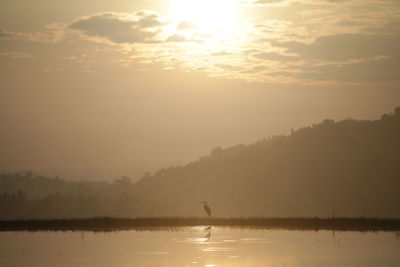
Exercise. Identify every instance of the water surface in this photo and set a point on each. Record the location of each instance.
(200, 246)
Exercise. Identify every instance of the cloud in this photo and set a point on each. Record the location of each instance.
(347, 58)
(177, 38)
(3, 33)
(264, 2)
(344, 47)
(148, 19)
(15, 55)
(280, 40)
(185, 25)
(273, 56)
(288, 2)
(374, 70)
(51, 35)
(141, 27)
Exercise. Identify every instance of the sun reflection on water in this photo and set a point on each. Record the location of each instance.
(200, 246)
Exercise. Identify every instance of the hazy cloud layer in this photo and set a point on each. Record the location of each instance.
(345, 46)
(265, 2)
(3, 33)
(141, 27)
(280, 41)
(15, 55)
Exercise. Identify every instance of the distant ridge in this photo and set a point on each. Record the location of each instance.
(348, 168)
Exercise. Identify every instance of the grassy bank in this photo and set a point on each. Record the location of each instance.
(114, 224)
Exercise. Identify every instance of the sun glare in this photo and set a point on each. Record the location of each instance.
(208, 16)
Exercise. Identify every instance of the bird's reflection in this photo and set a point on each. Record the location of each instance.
(208, 232)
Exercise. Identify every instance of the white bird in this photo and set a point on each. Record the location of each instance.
(206, 208)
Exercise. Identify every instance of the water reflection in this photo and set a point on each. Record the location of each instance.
(199, 246)
(208, 230)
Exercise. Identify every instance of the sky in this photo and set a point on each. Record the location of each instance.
(97, 89)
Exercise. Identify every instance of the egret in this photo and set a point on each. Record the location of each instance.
(206, 208)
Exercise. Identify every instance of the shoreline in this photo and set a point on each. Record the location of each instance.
(118, 224)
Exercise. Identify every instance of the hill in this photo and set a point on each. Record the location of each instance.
(350, 167)
(346, 168)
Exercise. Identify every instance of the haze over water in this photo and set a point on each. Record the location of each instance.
(200, 246)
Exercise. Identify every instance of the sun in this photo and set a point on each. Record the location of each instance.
(208, 16)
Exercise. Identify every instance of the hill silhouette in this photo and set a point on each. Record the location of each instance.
(350, 167)
(344, 168)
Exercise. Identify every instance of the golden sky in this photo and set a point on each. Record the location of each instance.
(101, 88)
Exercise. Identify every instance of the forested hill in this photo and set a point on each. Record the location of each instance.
(346, 168)
(350, 168)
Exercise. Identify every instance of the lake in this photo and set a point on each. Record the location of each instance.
(200, 246)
